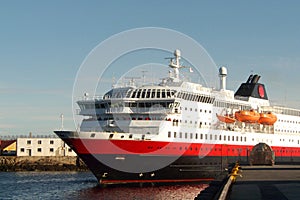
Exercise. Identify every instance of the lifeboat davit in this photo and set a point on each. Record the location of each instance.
(249, 116)
(267, 118)
(226, 118)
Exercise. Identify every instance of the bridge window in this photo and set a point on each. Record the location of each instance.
(153, 93)
(148, 93)
(158, 93)
(144, 93)
(139, 93)
(163, 93)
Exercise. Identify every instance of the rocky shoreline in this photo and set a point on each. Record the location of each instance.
(41, 163)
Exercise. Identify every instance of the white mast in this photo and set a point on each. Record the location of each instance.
(176, 65)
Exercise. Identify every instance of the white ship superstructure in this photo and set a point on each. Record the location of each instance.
(196, 126)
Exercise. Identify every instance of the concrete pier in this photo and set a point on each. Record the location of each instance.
(259, 182)
(267, 182)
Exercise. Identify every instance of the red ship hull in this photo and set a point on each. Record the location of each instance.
(130, 161)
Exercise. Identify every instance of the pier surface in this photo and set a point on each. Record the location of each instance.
(267, 182)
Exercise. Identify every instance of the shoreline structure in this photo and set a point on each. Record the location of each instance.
(41, 163)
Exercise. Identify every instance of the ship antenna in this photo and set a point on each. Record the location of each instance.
(113, 81)
(144, 77)
(62, 121)
(132, 80)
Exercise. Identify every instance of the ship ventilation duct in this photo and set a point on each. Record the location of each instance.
(255, 79)
(250, 78)
(222, 74)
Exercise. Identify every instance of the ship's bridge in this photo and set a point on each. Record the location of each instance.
(116, 93)
(145, 99)
(144, 92)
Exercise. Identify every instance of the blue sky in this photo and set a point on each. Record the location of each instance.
(43, 43)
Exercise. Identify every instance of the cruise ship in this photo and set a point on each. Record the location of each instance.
(177, 130)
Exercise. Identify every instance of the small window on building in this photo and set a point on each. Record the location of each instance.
(169, 134)
(51, 150)
(28, 141)
(51, 142)
(39, 141)
(70, 150)
(174, 134)
(22, 150)
(39, 149)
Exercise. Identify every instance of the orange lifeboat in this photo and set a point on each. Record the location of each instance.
(267, 118)
(249, 116)
(226, 118)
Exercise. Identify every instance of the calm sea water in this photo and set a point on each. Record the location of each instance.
(83, 185)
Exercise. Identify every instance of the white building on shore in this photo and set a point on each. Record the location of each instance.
(43, 147)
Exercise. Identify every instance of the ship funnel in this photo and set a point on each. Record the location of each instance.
(222, 74)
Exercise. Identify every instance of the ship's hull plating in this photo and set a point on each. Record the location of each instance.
(182, 170)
